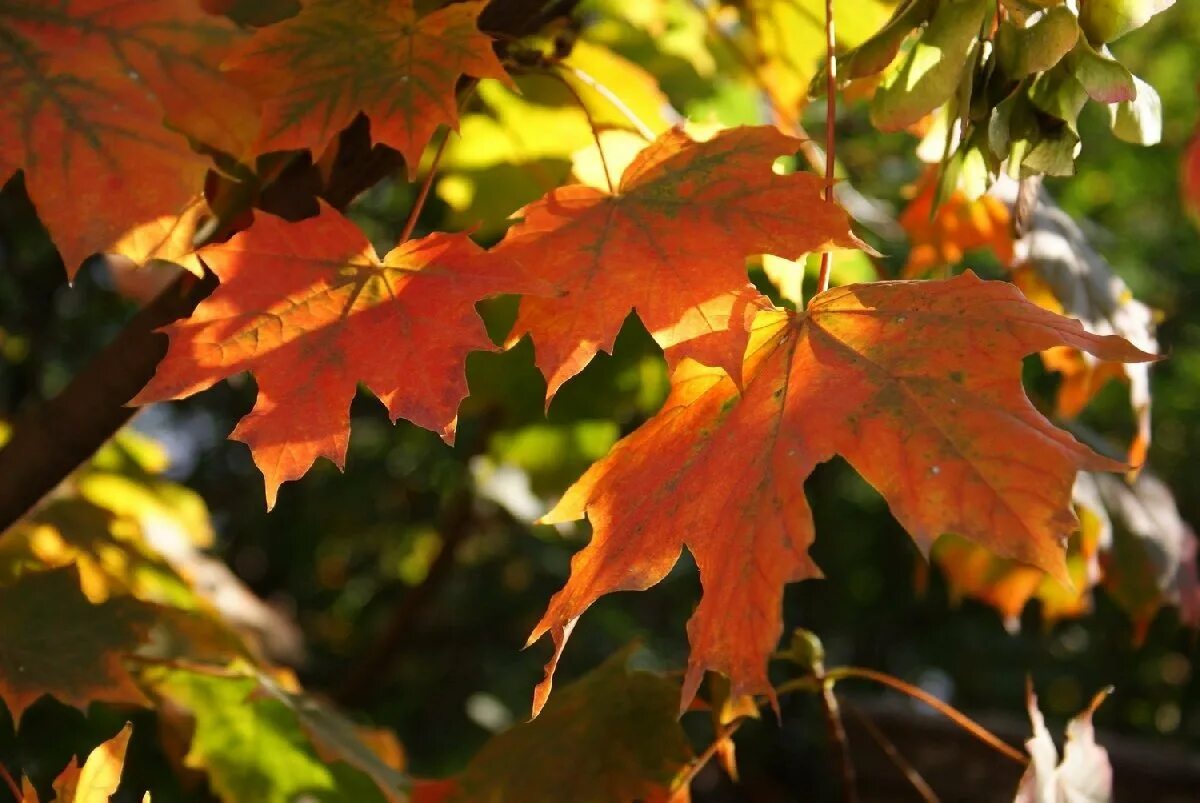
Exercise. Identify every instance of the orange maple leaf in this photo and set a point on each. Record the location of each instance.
(941, 237)
(336, 58)
(87, 85)
(916, 384)
(670, 243)
(311, 310)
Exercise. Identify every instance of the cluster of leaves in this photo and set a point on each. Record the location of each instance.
(150, 131)
(1008, 88)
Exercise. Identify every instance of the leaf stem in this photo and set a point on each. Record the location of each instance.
(830, 120)
(950, 712)
(890, 750)
(608, 179)
(620, 105)
(837, 736)
(427, 184)
(10, 783)
(698, 763)
(423, 195)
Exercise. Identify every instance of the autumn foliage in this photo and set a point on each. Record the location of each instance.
(150, 132)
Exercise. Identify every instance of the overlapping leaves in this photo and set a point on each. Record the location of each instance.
(87, 86)
(946, 435)
(669, 242)
(336, 58)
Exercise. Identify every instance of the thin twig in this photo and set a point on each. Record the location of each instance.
(950, 712)
(698, 763)
(419, 203)
(889, 749)
(10, 783)
(830, 121)
(620, 105)
(608, 178)
(837, 738)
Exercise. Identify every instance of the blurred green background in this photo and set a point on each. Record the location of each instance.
(415, 588)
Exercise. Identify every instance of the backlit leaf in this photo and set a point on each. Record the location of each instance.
(932, 69)
(670, 244)
(56, 642)
(336, 58)
(253, 747)
(335, 738)
(312, 311)
(87, 85)
(789, 41)
(99, 776)
(941, 237)
(945, 434)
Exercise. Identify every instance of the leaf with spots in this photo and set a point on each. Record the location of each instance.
(312, 311)
(916, 384)
(336, 58)
(56, 642)
(87, 86)
(671, 243)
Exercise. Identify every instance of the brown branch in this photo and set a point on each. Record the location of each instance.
(50, 440)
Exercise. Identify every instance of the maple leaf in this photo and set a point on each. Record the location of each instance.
(622, 720)
(336, 58)
(940, 237)
(1007, 586)
(916, 384)
(670, 243)
(311, 310)
(110, 553)
(97, 780)
(86, 87)
(56, 642)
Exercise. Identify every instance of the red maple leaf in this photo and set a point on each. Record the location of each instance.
(670, 243)
(311, 310)
(916, 384)
(317, 70)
